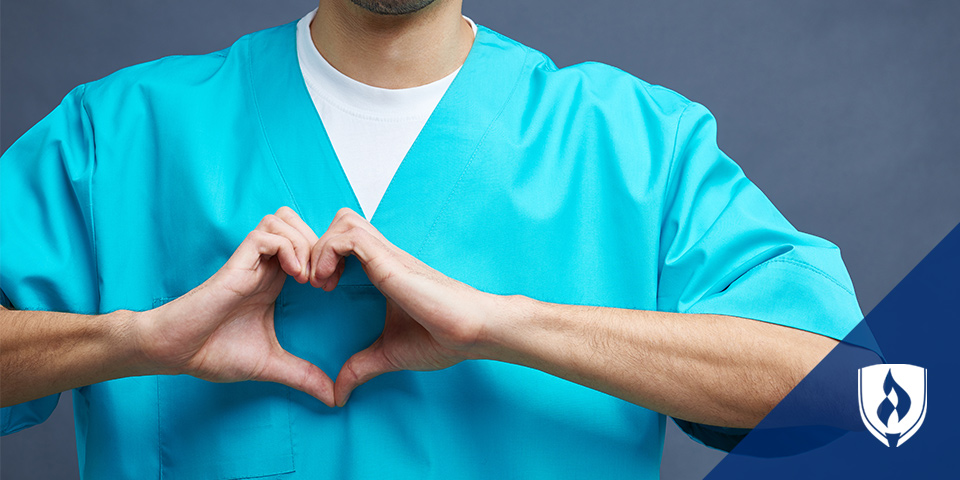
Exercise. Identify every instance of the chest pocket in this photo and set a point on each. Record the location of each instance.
(223, 430)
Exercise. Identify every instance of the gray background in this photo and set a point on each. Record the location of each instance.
(844, 113)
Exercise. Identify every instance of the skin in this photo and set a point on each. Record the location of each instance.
(392, 7)
(392, 51)
(710, 369)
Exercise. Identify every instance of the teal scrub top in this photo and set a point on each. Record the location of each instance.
(581, 185)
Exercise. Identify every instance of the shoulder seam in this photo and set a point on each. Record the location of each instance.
(673, 162)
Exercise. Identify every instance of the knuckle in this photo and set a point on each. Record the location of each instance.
(272, 221)
(332, 247)
(285, 212)
(299, 242)
(267, 222)
(342, 213)
(352, 375)
(352, 219)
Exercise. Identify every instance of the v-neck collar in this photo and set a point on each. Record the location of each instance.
(428, 174)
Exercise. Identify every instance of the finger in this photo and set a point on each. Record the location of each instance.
(259, 243)
(341, 222)
(300, 374)
(326, 254)
(331, 282)
(335, 278)
(315, 278)
(359, 369)
(278, 226)
(347, 219)
(288, 215)
(321, 273)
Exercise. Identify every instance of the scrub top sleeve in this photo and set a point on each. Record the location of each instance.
(725, 249)
(48, 259)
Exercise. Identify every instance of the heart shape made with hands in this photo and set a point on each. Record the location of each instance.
(223, 330)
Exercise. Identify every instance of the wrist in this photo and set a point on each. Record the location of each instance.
(135, 339)
(507, 317)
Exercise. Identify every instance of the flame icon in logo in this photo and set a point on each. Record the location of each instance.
(896, 402)
(889, 412)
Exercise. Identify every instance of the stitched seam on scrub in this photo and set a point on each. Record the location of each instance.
(668, 183)
(812, 269)
(805, 266)
(266, 138)
(93, 223)
(473, 156)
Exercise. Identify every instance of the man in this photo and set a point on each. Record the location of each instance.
(576, 221)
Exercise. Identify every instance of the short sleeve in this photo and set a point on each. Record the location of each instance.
(47, 255)
(726, 250)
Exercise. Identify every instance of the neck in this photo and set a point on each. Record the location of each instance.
(392, 51)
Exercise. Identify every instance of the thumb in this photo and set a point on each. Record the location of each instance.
(361, 368)
(300, 374)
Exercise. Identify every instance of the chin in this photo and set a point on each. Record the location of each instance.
(393, 7)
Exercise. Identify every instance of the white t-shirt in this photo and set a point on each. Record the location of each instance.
(371, 128)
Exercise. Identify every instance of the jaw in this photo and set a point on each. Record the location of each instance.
(393, 7)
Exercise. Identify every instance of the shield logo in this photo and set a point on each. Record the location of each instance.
(893, 401)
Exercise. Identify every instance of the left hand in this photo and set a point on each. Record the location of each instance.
(432, 321)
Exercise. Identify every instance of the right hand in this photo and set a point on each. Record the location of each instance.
(223, 331)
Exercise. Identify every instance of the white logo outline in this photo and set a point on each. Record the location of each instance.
(912, 382)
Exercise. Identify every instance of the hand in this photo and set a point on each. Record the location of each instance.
(223, 331)
(432, 321)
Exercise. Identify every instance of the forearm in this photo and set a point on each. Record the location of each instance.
(710, 369)
(42, 353)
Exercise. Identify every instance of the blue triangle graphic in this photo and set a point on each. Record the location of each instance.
(816, 431)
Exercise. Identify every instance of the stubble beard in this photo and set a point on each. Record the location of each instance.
(393, 7)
